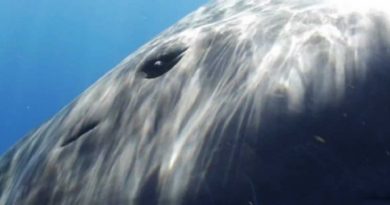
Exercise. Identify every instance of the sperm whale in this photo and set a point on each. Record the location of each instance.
(271, 102)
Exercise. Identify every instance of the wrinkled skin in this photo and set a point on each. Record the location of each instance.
(241, 102)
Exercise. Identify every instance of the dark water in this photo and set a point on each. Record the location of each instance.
(50, 51)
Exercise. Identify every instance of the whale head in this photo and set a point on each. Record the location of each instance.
(241, 102)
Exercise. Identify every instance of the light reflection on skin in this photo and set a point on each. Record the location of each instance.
(240, 56)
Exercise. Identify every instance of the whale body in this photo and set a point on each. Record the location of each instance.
(257, 102)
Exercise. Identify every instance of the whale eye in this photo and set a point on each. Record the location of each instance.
(160, 64)
(82, 131)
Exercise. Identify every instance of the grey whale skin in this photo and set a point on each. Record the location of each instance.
(241, 102)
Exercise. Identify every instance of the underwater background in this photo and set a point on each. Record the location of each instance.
(51, 51)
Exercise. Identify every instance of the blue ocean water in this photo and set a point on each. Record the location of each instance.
(50, 51)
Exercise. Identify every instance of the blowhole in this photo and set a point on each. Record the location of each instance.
(160, 64)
